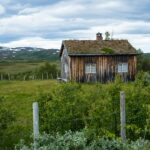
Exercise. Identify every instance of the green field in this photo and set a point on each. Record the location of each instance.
(19, 96)
(18, 67)
(14, 67)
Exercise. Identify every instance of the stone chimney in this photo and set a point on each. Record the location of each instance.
(99, 36)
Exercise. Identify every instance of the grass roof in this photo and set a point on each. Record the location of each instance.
(104, 47)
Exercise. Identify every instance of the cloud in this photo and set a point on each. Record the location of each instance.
(139, 41)
(4, 2)
(18, 7)
(2, 9)
(56, 20)
(34, 42)
(28, 11)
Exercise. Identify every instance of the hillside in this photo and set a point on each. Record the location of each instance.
(28, 53)
(146, 55)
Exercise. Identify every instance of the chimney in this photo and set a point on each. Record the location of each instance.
(99, 36)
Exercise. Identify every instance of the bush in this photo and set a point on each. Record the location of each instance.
(80, 141)
(73, 106)
(7, 117)
(62, 109)
(47, 71)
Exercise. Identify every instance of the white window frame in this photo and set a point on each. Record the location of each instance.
(122, 67)
(90, 68)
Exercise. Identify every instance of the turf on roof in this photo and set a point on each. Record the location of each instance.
(99, 47)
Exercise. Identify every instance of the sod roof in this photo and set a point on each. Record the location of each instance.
(95, 47)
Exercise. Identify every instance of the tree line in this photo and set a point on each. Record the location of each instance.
(143, 61)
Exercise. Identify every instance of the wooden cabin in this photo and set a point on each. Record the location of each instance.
(97, 60)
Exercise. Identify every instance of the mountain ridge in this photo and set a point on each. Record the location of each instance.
(28, 53)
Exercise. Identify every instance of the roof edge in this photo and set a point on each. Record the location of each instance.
(61, 48)
(100, 54)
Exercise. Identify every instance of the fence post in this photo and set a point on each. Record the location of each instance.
(33, 77)
(47, 75)
(122, 116)
(42, 76)
(35, 124)
(1, 76)
(51, 76)
(8, 76)
(57, 74)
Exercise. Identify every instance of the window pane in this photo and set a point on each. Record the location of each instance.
(119, 68)
(122, 67)
(90, 68)
(93, 68)
(87, 68)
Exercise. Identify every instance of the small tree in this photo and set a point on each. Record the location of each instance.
(107, 35)
(48, 71)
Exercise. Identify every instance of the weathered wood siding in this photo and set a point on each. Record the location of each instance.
(65, 65)
(106, 68)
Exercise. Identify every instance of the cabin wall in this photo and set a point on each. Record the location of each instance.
(106, 68)
(65, 65)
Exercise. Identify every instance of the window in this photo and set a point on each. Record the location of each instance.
(122, 67)
(90, 68)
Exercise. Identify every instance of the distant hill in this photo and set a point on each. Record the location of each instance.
(28, 53)
(146, 55)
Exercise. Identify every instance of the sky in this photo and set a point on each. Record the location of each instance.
(45, 23)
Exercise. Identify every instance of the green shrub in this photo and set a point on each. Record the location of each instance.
(107, 50)
(7, 118)
(80, 141)
(73, 106)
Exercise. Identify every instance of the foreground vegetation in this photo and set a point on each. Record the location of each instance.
(16, 99)
(82, 141)
(75, 107)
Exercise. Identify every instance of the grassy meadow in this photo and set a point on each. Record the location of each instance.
(18, 97)
(14, 67)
